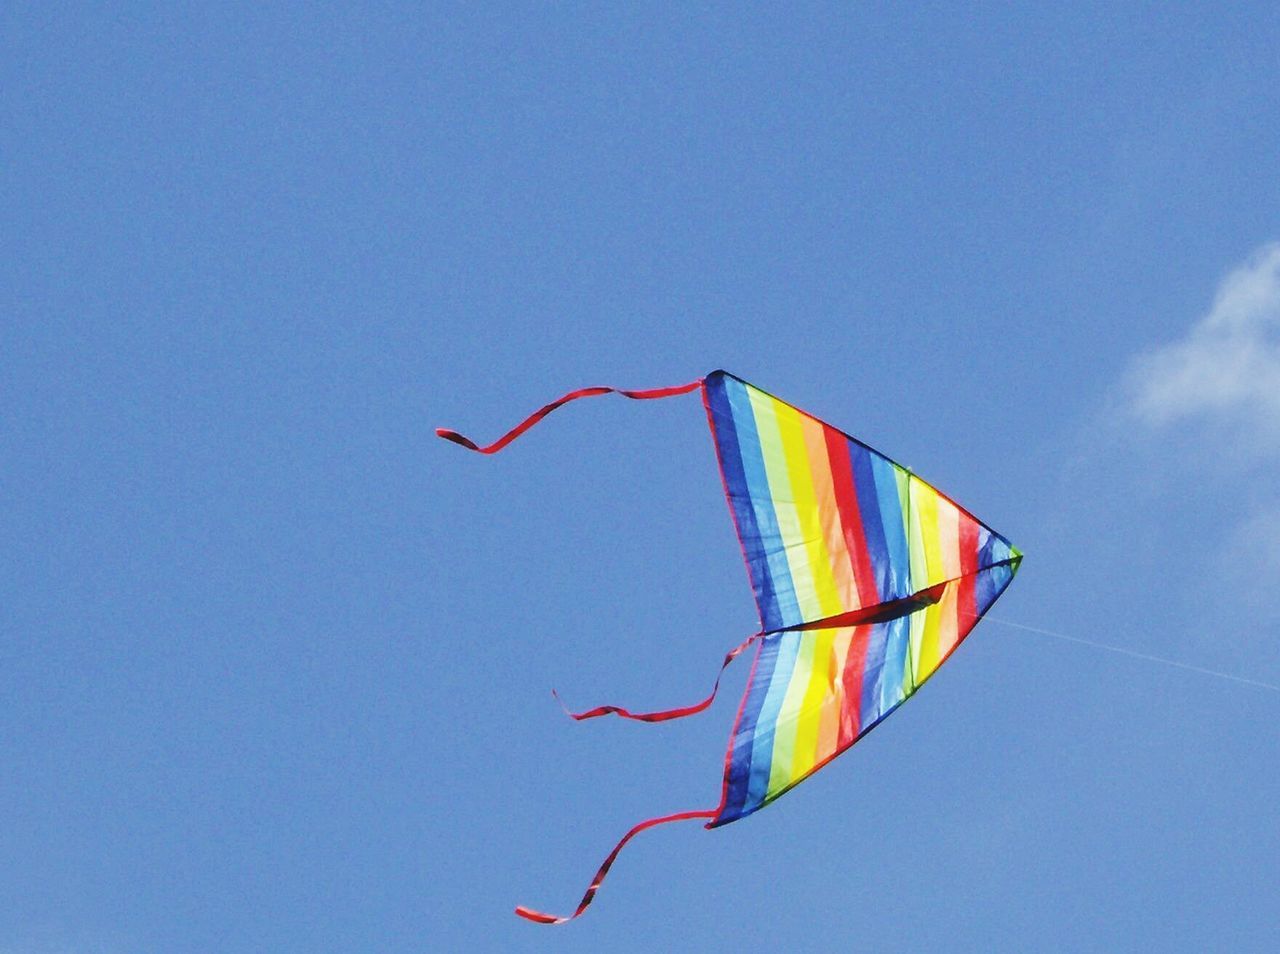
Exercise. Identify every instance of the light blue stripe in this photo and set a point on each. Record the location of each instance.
(869, 707)
(738, 772)
(892, 683)
(744, 421)
(766, 723)
(744, 512)
(895, 530)
(990, 584)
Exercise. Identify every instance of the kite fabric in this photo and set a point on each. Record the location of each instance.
(866, 579)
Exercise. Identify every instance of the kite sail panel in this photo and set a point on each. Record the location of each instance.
(866, 579)
(809, 505)
(813, 693)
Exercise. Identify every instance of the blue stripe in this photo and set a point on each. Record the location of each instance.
(990, 583)
(739, 770)
(995, 550)
(725, 432)
(864, 484)
(895, 528)
(898, 638)
(784, 609)
(872, 671)
(767, 721)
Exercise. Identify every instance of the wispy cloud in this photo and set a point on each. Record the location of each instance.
(1223, 374)
(1226, 369)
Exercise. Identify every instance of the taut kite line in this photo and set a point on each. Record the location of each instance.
(866, 579)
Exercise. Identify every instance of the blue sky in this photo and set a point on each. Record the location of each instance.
(276, 661)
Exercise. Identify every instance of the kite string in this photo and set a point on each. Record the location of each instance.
(1133, 653)
(536, 416)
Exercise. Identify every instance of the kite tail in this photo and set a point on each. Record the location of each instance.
(665, 714)
(540, 918)
(542, 412)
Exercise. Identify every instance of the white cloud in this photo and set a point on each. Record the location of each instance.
(1223, 374)
(1227, 368)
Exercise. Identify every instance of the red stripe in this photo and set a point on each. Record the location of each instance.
(665, 714)
(541, 918)
(543, 411)
(967, 597)
(851, 679)
(855, 537)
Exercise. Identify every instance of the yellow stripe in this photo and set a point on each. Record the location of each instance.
(918, 620)
(927, 516)
(804, 492)
(929, 643)
(939, 534)
(791, 429)
(824, 491)
(941, 631)
(920, 525)
(809, 721)
(783, 494)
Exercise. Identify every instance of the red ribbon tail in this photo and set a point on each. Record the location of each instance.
(663, 715)
(539, 917)
(536, 416)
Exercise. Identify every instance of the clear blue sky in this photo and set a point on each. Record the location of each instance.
(275, 661)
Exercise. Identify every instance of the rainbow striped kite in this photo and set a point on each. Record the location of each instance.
(866, 579)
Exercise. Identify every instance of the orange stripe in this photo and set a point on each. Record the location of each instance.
(833, 699)
(824, 494)
(948, 618)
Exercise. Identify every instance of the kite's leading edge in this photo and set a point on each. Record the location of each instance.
(866, 579)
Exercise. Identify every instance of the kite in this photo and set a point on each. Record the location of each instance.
(866, 579)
